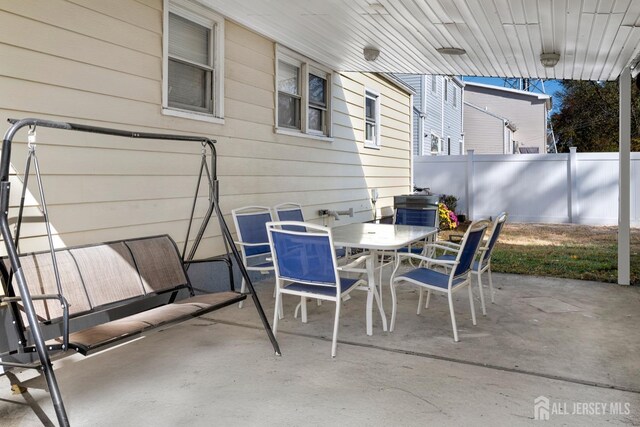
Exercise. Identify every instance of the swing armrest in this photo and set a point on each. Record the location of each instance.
(65, 312)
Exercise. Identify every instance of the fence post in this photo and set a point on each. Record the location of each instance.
(469, 185)
(573, 186)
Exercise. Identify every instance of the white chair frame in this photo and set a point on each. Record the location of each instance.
(281, 289)
(451, 288)
(246, 260)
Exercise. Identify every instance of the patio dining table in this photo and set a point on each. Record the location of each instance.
(377, 238)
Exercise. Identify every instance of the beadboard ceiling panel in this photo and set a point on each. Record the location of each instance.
(596, 39)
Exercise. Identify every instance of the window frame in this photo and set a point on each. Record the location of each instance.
(434, 84)
(301, 88)
(439, 151)
(207, 18)
(282, 54)
(454, 96)
(446, 89)
(375, 143)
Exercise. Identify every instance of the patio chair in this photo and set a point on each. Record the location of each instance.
(289, 212)
(293, 212)
(483, 262)
(250, 224)
(426, 277)
(421, 217)
(306, 266)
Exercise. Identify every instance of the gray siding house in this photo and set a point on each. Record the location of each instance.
(437, 114)
(501, 120)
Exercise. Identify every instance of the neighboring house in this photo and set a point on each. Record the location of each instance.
(499, 120)
(437, 114)
(287, 127)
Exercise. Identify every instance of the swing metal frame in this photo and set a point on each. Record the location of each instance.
(207, 172)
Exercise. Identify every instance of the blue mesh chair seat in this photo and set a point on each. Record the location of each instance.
(306, 266)
(426, 277)
(250, 222)
(483, 261)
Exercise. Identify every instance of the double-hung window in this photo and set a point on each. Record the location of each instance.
(371, 119)
(435, 144)
(446, 89)
(193, 62)
(289, 95)
(317, 112)
(303, 96)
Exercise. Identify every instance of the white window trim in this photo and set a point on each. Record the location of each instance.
(207, 17)
(439, 152)
(377, 143)
(446, 89)
(306, 66)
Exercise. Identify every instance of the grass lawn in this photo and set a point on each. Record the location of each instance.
(562, 250)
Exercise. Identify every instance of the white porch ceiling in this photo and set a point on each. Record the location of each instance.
(596, 39)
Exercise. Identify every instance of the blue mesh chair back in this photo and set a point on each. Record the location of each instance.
(290, 212)
(252, 229)
(304, 257)
(421, 217)
(470, 244)
(497, 228)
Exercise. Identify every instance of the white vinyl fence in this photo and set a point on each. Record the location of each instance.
(579, 188)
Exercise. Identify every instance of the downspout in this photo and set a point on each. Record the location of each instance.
(423, 112)
(462, 119)
(624, 179)
(410, 112)
(444, 90)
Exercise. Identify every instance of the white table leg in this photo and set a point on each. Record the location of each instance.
(372, 262)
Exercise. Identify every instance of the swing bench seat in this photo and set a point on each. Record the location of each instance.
(114, 291)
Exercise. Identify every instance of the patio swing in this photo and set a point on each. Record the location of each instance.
(70, 282)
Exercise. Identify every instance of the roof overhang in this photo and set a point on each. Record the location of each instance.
(596, 40)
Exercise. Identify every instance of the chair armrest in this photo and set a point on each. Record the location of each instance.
(351, 265)
(251, 244)
(450, 244)
(426, 259)
(445, 248)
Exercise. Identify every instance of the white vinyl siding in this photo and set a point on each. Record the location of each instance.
(525, 111)
(433, 115)
(102, 188)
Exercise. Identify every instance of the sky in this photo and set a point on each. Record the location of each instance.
(550, 87)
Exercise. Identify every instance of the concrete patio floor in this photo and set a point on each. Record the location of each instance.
(576, 343)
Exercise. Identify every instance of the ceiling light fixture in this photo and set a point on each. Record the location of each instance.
(370, 53)
(451, 50)
(549, 60)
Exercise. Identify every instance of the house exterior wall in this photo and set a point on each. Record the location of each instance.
(452, 123)
(483, 133)
(526, 112)
(433, 115)
(100, 63)
(433, 120)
